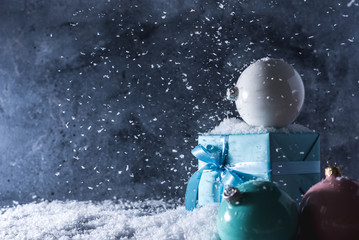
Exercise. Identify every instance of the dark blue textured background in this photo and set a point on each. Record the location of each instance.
(105, 99)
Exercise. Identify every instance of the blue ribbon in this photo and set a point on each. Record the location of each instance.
(214, 159)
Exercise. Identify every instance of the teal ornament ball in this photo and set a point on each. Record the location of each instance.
(257, 210)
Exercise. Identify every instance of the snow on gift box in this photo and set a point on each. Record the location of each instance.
(235, 152)
(329, 210)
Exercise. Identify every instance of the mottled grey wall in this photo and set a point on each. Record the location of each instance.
(102, 99)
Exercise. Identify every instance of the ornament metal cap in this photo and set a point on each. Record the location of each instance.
(232, 93)
(232, 195)
(335, 171)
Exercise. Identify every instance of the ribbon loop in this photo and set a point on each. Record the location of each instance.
(214, 159)
(207, 155)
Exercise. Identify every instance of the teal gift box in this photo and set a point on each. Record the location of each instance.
(292, 160)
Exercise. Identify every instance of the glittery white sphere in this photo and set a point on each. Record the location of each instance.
(270, 93)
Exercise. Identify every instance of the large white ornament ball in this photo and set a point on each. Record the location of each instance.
(269, 92)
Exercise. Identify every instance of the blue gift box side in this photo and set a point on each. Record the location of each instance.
(297, 148)
(246, 151)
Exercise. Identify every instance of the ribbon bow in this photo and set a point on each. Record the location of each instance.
(214, 159)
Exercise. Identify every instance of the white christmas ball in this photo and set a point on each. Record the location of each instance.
(269, 92)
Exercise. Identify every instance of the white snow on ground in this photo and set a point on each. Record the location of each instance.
(107, 220)
(237, 126)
